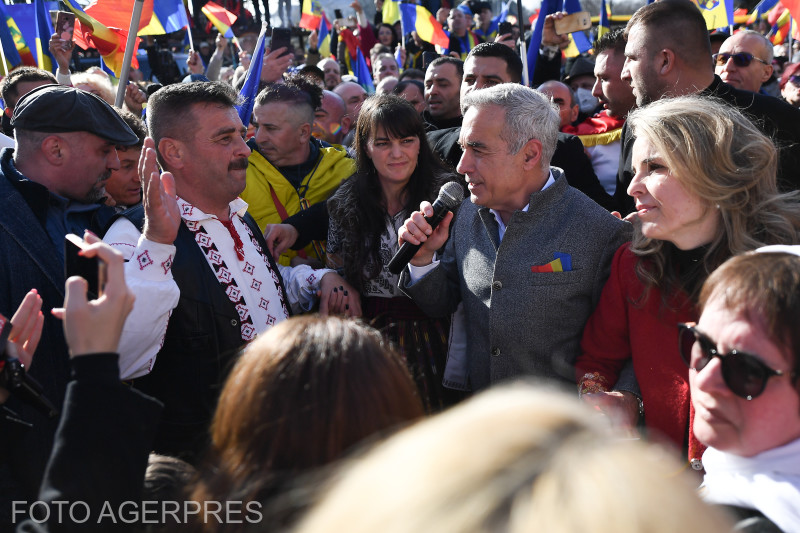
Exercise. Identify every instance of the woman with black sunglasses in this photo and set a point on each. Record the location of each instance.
(744, 357)
(705, 190)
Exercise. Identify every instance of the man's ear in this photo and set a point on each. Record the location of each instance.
(347, 123)
(532, 151)
(54, 149)
(305, 132)
(574, 112)
(768, 69)
(172, 153)
(666, 61)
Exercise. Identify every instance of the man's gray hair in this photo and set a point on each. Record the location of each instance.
(529, 114)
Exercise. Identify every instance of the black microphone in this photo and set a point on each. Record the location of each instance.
(450, 195)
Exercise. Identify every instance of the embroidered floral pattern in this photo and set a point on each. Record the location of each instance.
(242, 278)
(592, 382)
(275, 277)
(227, 281)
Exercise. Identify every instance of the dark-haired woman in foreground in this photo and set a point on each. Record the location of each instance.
(396, 170)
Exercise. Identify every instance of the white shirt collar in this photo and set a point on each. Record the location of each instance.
(194, 214)
(501, 226)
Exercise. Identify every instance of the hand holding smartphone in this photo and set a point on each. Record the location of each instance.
(573, 22)
(92, 269)
(281, 38)
(65, 28)
(340, 18)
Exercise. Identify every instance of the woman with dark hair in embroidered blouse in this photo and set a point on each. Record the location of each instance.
(396, 171)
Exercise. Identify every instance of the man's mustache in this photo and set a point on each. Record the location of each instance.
(239, 164)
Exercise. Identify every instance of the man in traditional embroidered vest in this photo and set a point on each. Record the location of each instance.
(601, 134)
(204, 280)
(289, 169)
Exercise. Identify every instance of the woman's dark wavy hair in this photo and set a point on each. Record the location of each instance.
(395, 41)
(366, 216)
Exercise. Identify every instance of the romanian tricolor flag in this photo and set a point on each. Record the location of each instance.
(561, 263)
(427, 27)
(780, 17)
(14, 46)
(363, 74)
(44, 29)
(718, 13)
(604, 26)
(324, 40)
(168, 16)
(110, 42)
(118, 13)
(391, 11)
(221, 18)
(351, 42)
(311, 14)
(10, 51)
(760, 11)
(794, 8)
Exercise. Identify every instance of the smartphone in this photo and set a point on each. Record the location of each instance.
(340, 18)
(92, 269)
(574, 22)
(427, 58)
(504, 28)
(281, 37)
(65, 28)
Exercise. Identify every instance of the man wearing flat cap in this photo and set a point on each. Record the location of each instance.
(50, 185)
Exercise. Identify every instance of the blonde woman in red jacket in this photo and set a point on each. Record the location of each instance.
(705, 189)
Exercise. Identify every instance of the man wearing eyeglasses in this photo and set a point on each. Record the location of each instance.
(668, 54)
(744, 60)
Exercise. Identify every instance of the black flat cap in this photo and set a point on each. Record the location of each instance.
(61, 109)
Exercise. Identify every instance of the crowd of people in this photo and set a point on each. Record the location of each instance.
(603, 335)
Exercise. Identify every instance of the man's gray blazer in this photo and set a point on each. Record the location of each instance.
(521, 322)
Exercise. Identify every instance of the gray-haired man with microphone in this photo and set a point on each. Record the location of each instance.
(528, 255)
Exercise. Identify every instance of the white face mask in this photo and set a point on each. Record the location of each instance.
(586, 100)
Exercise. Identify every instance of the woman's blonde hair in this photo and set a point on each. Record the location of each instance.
(99, 82)
(515, 459)
(720, 156)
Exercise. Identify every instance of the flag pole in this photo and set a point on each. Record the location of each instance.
(522, 48)
(129, 49)
(3, 55)
(189, 32)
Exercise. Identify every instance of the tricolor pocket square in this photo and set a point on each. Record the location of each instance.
(561, 263)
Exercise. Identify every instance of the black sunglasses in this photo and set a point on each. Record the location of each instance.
(744, 374)
(742, 59)
(795, 80)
